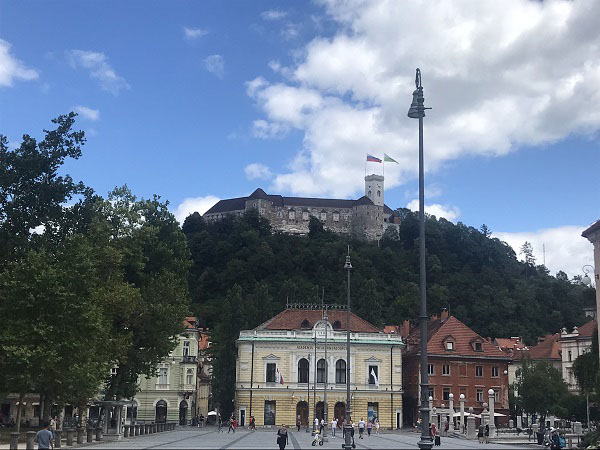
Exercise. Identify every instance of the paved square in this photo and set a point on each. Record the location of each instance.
(209, 438)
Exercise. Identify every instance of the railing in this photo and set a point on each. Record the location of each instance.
(188, 359)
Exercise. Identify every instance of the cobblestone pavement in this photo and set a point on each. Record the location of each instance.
(209, 438)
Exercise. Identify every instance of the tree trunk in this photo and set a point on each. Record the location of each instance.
(42, 405)
(19, 410)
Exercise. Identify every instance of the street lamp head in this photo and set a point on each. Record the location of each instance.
(348, 265)
(586, 278)
(430, 398)
(451, 395)
(491, 392)
(462, 396)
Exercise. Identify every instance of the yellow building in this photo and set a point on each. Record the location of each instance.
(276, 370)
(170, 396)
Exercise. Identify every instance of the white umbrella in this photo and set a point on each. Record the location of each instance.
(212, 413)
(499, 415)
(467, 415)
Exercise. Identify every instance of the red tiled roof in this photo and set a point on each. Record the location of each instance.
(203, 341)
(189, 322)
(587, 329)
(548, 348)
(510, 343)
(291, 319)
(463, 336)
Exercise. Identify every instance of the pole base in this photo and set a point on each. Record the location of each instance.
(426, 444)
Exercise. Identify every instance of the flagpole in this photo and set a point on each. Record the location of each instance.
(366, 164)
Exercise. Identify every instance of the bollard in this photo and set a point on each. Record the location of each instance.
(30, 440)
(70, 436)
(57, 438)
(125, 430)
(14, 440)
(90, 435)
(136, 431)
(147, 428)
(154, 428)
(99, 434)
(142, 429)
(80, 431)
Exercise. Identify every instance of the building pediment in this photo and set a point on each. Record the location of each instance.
(373, 359)
(271, 357)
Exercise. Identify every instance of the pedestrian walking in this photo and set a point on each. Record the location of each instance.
(53, 426)
(44, 437)
(480, 432)
(220, 422)
(316, 424)
(321, 426)
(298, 423)
(369, 427)
(282, 437)
(333, 427)
(376, 425)
(352, 431)
(487, 434)
(361, 428)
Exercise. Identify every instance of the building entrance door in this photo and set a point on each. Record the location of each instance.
(302, 413)
(242, 417)
(183, 407)
(340, 412)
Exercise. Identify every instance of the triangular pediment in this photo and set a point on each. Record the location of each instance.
(271, 357)
(372, 359)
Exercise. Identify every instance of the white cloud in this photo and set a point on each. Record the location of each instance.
(99, 68)
(194, 33)
(215, 64)
(12, 68)
(273, 14)
(565, 249)
(257, 171)
(498, 75)
(88, 113)
(450, 213)
(191, 205)
(269, 130)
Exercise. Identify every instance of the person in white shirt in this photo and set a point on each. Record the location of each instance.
(316, 424)
(361, 428)
(333, 427)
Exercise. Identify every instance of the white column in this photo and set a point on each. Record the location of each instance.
(451, 428)
(462, 412)
(492, 422)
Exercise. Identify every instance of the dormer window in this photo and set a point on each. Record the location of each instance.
(292, 214)
(305, 215)
(477, 346)
(449, 345)
(336, 216)
(305, 324)
(323, 216)
(337, 325)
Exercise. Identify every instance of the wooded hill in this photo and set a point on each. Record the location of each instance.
(477, 277)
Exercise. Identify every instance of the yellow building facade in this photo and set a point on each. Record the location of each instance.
(277, 380)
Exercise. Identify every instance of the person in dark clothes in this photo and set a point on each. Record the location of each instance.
(282, 437)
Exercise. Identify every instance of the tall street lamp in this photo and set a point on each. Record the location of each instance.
(417, 111)
(347, 427)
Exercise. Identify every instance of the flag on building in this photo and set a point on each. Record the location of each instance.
(387, 158)
(374, 375)
(279, 376)
(371, 158)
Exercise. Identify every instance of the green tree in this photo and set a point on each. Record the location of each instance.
(32, 192)
(541, 389)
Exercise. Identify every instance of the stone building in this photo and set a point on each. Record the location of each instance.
(460, 362)
(276, 370)
(572, 345)
(366, 217)
(170, 396)
(592, 234)
(204, 375)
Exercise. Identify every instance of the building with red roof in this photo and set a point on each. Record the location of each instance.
(572, 345)
(460, 362)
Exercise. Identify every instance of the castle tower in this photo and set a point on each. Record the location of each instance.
(374, 188)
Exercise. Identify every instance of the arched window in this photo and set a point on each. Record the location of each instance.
(337, 325)
(305, 324)
(340, 371)
(321, 372)
(303, 371)
(378, 193)
(189, 378)
(369, 193)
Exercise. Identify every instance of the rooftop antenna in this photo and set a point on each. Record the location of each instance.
(544, 252)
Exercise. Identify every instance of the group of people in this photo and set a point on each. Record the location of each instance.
(362, 425)
(198, 421)
(556, 439)
(483, 434)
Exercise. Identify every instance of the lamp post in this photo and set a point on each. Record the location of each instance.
(326, 319)
(347, 427)
(586, 277)
(417, 111)
(308, 395)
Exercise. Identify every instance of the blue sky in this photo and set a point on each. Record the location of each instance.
(198, 101)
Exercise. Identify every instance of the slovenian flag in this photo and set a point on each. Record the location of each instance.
(279, 376)
(371, 158)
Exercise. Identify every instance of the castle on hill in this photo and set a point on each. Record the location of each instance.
(366, 218)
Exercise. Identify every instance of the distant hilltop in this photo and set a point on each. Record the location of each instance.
(366, 218)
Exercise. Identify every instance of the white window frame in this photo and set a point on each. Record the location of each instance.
(305, 215)
(479, 395)
(430, 369)
(323, 216)
(444, 371)
(187, 348)
(163, 376)
(495, 372)
(189, 376)
(496, 395)
(450, 345)
(336, 216)
(480, 375)
(291, 214)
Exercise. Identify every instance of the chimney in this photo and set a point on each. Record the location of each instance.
(444, 315)
(405, 328)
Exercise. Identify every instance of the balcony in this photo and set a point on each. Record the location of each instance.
(189, 359)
